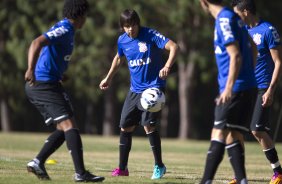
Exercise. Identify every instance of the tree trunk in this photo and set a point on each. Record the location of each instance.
(5, 120)
(109, 114)
(89, 127)
(186, 75)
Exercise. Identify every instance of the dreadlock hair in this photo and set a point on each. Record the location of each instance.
(245, 5)
(75, 8)
(129, 17)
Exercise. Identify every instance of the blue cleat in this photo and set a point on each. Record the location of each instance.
(158, 172)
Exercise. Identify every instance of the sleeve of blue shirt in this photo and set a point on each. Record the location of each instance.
(227, 29)
(57, 34)
(119, 49)
(272, 38)
(158, 38)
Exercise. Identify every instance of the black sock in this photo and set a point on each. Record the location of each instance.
(155, 142)
(74, 145)
(124, 149)
(237, 159)
(272, 156)
(214, 157)
(52, 143)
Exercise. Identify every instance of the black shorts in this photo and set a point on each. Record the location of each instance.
(51, 100)
(237, 113)
(134, 114)
(260, 119)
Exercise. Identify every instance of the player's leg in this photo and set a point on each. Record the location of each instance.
(217, 145)
(149, 121)
(155, 142)
(214, 155)
(130, 116)
(241, 109)
(38, 95)
(236, 154)
(260, 128)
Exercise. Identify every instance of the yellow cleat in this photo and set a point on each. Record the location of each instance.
(233, 181)
(276, 178)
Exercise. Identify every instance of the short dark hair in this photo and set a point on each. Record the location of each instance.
(75, 8)
(245, 5)
(215, 1)
(129, 17)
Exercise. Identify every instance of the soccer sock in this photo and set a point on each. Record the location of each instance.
(237, 159)
(272, 156)
(124, 149)
(74, 145)
(53, 142)
(155, 142)
(214, 157)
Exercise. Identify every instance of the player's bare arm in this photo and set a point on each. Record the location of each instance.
(172, 47)
(276, 54)
(33, 54)
(235, 63)
(105, 83)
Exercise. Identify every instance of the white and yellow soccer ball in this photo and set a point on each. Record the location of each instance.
(152, 99)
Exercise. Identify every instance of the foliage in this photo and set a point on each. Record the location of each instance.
(95, 45)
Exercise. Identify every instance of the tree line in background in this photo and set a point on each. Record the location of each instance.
(191, 86)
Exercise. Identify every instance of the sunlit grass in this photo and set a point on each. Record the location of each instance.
(184, 160)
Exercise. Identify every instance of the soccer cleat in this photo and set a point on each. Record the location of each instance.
(87, 177)
(158, 172)
(38, 169)
(276, 178)
(233, 181)
(119, 172)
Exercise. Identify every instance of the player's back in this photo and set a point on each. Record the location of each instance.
(229, 29)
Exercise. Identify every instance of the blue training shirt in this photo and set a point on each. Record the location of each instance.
(144, 57)
(228, 29)
(54, 58)
(265, 37)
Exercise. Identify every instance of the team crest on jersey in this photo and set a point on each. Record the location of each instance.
(142, 46)
(257, 38)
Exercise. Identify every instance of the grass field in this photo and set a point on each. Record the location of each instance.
(184, 160)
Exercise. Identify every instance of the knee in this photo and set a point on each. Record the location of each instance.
(218, 134)
(257, 134)
(128, 129)
(149, 129)
(65, 125)
(234, 136)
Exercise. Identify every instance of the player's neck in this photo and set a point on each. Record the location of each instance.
(215, 10)
(253, 21)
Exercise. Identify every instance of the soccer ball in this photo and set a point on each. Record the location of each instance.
(152, 99)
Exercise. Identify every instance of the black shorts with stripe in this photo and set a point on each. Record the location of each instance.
(260, 119)
(51, 100)
(236, 114)
(134, 114)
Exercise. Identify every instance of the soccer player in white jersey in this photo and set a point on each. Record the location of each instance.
(267, 72)
(236, 89)
(142, 47)
(48, 58)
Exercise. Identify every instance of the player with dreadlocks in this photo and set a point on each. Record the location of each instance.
(48, 58)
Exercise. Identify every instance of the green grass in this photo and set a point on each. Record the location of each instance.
(184, 160)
